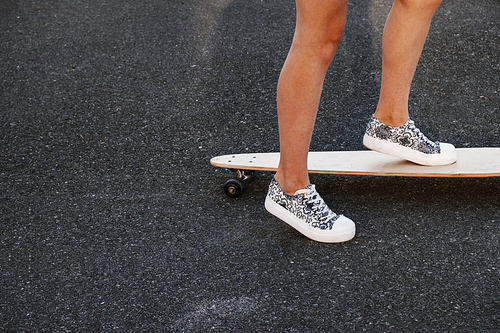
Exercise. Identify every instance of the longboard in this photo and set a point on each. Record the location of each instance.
(471, 162)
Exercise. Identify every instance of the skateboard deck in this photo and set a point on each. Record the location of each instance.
(471, 162)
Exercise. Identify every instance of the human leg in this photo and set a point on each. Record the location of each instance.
(291, 197)
(319, 28)
(404, 36)
(390, 131)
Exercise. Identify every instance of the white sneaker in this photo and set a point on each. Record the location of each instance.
(407, 142)
(308, 213)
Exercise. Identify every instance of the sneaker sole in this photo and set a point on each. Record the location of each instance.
(346, 226)
(447, 156)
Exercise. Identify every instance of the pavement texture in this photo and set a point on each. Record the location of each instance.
(112, 218)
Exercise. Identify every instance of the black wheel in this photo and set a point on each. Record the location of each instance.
(233, 188)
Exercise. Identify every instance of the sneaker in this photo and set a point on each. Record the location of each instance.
(308, 214)
(407, 142)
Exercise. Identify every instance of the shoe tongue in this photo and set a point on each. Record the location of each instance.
(309, 189)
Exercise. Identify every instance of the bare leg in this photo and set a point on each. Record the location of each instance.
(404, 36)
(319, 29)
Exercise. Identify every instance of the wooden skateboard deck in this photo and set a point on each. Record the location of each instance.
(471, 162)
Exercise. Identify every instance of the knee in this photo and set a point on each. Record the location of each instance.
(325, 51)
(419, 5)
(320, 49)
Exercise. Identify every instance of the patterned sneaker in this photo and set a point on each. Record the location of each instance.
(407, 142)
(308, 213)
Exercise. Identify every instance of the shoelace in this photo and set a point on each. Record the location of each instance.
(317, 204)
(421, 135)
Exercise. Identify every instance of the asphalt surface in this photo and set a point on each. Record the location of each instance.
(112, 218)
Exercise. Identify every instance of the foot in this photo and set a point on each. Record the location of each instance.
(308, 213)
(407, 142)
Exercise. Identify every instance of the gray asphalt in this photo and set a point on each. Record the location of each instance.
(112, 218)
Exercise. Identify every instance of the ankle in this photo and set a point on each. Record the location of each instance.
(391, 119)
(290, 186)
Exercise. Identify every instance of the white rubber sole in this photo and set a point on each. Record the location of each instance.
(447, 156)
(343, 230)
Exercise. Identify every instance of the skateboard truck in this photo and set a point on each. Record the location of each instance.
(234, 187)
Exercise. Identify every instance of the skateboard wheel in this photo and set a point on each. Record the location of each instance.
(233, 188)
